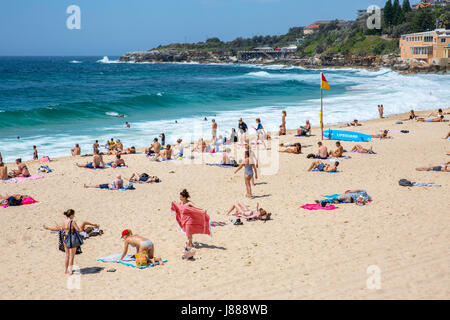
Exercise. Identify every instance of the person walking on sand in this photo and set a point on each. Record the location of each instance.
(95, 146)
(249, 171)
(142, 245)
(214, 130)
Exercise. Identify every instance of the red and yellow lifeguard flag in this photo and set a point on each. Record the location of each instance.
(324, 83)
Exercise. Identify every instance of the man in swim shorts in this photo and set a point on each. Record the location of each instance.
(320, 166)
(322, 152)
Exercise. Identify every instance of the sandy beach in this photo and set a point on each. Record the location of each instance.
(299, 254)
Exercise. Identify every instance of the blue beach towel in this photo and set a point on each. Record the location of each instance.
(128, 260)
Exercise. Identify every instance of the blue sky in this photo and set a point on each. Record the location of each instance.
(113, 27)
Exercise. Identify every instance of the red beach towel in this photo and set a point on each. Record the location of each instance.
(191, 220)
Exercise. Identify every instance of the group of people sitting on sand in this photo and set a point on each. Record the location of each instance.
(21, 171)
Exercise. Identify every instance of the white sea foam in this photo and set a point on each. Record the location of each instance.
(105, 59)
(75, 61)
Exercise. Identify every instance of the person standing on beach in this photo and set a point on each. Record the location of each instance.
(242, 129)
(283, 122)
(163, 139)
(249, 170)
(35, 153)
(95, 146)
(184, 200)
(380, 111)
(69, 228)
(214, 130)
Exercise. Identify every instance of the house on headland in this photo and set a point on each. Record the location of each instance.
(430, 46)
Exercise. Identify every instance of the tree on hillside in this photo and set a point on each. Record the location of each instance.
(388, 13)
(397, 13)
(406, 7)
(423, 20)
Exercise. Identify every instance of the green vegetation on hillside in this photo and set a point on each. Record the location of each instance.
(354, 39)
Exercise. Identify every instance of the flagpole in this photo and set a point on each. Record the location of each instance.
(321, 111)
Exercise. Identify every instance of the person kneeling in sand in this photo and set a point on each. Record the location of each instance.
(97, 161)
(116, 184)
(338, 152)
(319, 165)
(360, 149)
(296, 150)
(444, 167)
(243, 211)
(142, 245)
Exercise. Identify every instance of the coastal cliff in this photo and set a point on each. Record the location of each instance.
(392, 61)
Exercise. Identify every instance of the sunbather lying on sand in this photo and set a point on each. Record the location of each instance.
(347, 197)
(384, 135)
(412, 116)
(442, 167)
(97, 161)
(116, 184)
(243, 211)
(131, 150)
(360, 149)
(338, 152)
(12, 199)
(296, 150)
(87, 229)
(437, 119)
(143, 177)
(355, 123)
(142, 245)
(319, 165)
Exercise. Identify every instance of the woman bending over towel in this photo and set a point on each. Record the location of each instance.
(142, 245)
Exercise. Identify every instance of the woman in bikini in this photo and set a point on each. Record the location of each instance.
(116, 184)
(243, 211)
(360, 149)
(22, 170)
(296, 150)
(143, 178)
(64, 227)
(142, 245)
(444, 167)
(249, 170)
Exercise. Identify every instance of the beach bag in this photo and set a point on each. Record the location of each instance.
(405, 183)
(141, 259)
(73, 238)
(61, 243)
(44, 159)
(311, 155)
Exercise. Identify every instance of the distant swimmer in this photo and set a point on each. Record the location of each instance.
(127, 125)
(18, 138)
(35, 153)
(176, 121)
(121, 115)
(205, 119)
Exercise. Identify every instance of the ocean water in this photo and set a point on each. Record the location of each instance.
(55, 102)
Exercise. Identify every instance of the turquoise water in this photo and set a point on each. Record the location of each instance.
(55, 102)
